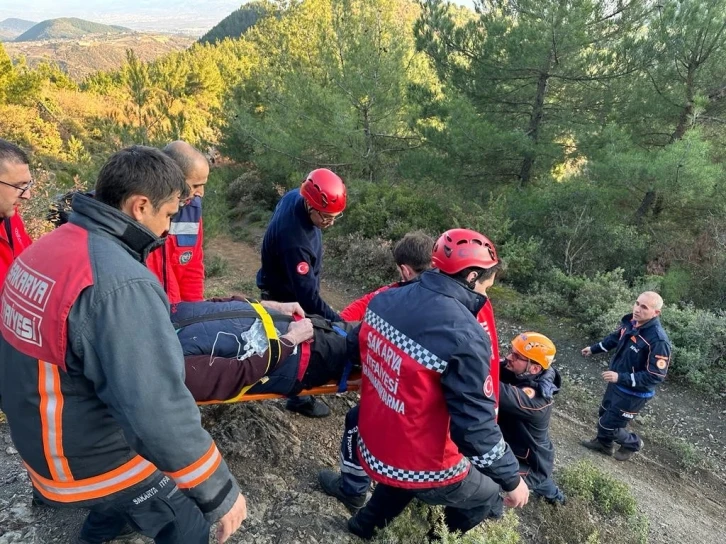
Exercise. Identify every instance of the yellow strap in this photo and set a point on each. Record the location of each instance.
(273, 343)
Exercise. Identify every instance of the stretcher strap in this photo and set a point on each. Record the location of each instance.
(273, 346)
(343, 383)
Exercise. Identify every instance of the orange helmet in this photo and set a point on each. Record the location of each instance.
(457, 249)
(536, 347)
(324, 191)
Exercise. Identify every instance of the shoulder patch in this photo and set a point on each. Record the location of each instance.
(489, 387)
(661, 361)
(302, 268)
(529, 392)
(185, 257)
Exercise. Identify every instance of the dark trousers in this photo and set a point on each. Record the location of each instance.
(467, 504)
(158, 510)
(354, 479)
(546, 488)
(617, 410)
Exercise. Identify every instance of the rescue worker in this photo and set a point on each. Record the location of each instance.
(413, 256)
(179, 263)
(427, 399)
(638, 365)
(92, 375)
(292, 255)
(15, 185)
(529, 384)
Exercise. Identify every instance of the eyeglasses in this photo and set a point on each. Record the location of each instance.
(328, 217)
(22, 189)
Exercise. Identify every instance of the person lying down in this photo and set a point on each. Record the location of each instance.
(234, 347)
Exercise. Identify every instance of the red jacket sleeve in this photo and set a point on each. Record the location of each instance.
(356, 310)
(486, 318)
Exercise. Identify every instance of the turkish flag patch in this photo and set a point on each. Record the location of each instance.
(489, 386)
(302, 268)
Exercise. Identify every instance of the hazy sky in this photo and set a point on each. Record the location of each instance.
(137, 14)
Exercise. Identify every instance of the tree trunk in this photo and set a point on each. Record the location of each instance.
(684, 121)
(535, 121)
(370, 153)
(645, 205)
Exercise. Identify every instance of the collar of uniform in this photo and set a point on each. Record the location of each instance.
(302, 212)
(102, 219)
(448, 286)
(195, 202)
(651, 323)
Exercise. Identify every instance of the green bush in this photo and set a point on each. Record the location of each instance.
(597, 304)
(699, 340)
(215, 208)
(215, 266)
(382, 210)
(607, 494)
(252, 193)
(418, 521)
(522, 262)
(364, 262)
(581, 523)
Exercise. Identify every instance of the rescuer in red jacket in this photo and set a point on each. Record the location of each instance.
(413, 256)
(179, 263)
(427, 426)
(15, 184)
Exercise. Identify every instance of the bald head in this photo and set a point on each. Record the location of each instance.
(193, 164)
(647, 307)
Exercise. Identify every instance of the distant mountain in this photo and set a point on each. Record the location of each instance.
(81, 57)
(236, 23)
(12, 28)
(67, 28)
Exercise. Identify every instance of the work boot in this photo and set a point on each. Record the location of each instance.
(624, 454)
(596, 445)
(358, 530)
(331, 483)
(559, 500)
(308, 407)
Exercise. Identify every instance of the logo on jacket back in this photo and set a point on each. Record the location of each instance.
(303, 268)
(185, 257)
(25, 291)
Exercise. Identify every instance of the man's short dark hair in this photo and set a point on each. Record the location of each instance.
(11, 153)
(140, 170)
(414, 250)
(483, 273)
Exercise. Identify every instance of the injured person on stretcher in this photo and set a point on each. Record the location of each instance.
(233, 347)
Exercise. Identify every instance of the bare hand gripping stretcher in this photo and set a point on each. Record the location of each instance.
(233, 353)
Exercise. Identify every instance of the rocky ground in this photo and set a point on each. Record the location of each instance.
(276, 455)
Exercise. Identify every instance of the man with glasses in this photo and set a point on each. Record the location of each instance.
(292, 254)
(528, 385)
(15, 184)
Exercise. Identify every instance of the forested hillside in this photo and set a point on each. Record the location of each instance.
(65, 28)
(585, 137)
(236, 23)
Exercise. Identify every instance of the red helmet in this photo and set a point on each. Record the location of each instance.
(457, 249)
(324, 191)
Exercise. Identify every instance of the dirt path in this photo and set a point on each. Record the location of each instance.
(276, 455)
